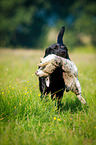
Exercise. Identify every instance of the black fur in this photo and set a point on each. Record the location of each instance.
(57, 85)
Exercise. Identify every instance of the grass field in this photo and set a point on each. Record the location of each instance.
(26, 120)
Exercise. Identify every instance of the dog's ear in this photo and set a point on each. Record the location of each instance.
(47, 51)
(60, 35)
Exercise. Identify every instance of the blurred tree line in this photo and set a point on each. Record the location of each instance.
(36, 23)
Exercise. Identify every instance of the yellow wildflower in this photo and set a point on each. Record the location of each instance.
(27, 81)
(59, 119)
(13, 88)
(25, 93)
(15, 107)
(26, 99)
(39, 95)
(8, 91)
(95, 127)
(54, 118)
(10, 86)
(2, 93)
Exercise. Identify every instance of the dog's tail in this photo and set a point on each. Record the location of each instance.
(60, 35)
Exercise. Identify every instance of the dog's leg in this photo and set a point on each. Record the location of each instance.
(53, 97)
(42, 96)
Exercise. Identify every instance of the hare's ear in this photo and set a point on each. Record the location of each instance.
(60, 35)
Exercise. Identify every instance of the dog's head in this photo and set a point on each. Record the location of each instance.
(58, 48)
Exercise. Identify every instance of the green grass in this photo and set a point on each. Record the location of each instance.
(26, 120)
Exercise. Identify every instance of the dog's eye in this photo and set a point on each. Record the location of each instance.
(66, 48)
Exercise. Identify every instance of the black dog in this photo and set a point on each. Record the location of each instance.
(55, 82)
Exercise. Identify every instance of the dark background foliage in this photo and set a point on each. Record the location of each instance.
(36, 23)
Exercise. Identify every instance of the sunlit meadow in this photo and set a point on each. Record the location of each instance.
(26, 120)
